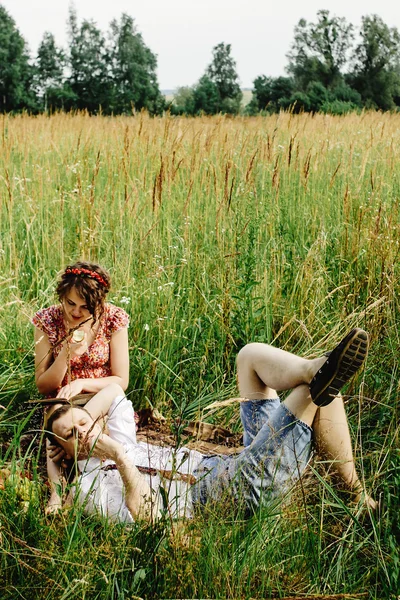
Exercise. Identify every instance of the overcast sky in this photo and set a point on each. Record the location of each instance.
(182, 33)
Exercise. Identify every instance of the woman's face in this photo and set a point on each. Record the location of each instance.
(75, 309)
(74, 431)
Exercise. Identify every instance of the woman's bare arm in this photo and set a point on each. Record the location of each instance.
(138, 494)
(99, 405)
(49, 375)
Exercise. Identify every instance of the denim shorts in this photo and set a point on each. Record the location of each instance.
(277, 449)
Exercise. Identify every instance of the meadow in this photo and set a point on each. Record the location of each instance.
(217, 231)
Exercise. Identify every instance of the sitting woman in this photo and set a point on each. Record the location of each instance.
(81, 345)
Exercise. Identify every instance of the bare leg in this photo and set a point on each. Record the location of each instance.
(332, 437)
(263, 370)
(300, 404)
(333, 441)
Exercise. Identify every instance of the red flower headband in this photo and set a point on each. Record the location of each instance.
(86, 273)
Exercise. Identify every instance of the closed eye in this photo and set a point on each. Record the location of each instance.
(84, 306)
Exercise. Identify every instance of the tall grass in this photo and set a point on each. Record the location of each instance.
(217, 231)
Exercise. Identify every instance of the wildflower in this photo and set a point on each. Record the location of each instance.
(124, 300)
(146, 327)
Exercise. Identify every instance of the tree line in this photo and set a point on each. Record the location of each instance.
(330, 69)
(112, 74)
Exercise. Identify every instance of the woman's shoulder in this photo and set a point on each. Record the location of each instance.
(115, 318)
(48, 316)
(49, 320)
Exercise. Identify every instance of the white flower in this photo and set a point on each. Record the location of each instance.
(124, 300)
(146, 327)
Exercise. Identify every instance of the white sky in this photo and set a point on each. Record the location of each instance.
(182, 33)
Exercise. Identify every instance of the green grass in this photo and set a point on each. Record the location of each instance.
(217, 231)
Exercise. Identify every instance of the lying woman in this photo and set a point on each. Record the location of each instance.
(125, 480)
(81, 345)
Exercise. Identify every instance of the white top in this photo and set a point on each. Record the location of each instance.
(100, 490)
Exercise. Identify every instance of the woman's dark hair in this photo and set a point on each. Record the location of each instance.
(91, 282)
(54, 417)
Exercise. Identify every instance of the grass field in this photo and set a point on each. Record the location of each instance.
(217, 231)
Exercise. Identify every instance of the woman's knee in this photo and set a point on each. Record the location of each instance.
(249, 353)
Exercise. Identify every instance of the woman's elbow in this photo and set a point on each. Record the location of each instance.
(42, 387)
(146, 511)
(123, 381)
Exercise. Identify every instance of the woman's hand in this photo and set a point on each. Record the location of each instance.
(102, 446)
(77, 348)
(56, 453)
(72, 389)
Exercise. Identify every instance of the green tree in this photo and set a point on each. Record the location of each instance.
(206, 97)
(16, 73)
(320, 51)
(317, 95)
(222, 73)
(183, 101)
(50, 65)
(133, 70)
(89, 80)
(268, 93)
(375, 73)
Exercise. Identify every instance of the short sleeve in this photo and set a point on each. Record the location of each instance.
(38, 321)
(117, 319)
(48, 321)
(121, 421)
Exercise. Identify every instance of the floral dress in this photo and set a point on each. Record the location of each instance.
(95, 362)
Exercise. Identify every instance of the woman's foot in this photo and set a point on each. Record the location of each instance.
(54, 504)
(365, 501)
(341, 364)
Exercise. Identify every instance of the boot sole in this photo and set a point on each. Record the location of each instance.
(342, 363)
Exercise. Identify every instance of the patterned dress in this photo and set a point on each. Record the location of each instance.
(94, 363)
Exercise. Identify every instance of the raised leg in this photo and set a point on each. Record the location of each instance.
(263, 370)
